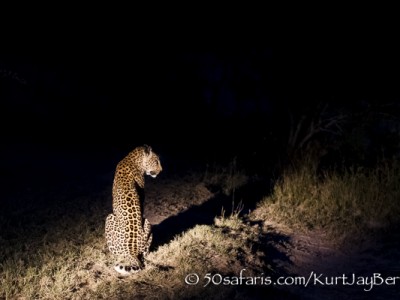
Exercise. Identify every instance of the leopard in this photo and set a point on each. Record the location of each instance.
(128, 234)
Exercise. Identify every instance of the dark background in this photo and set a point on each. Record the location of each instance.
(77, 96)
(79, 89)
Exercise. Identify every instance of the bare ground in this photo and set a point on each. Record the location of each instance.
(315, 254)
(177, 204)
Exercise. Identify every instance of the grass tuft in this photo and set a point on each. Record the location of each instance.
(345, 204)
(233, 221)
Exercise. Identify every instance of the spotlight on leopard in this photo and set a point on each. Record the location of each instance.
(128, 236)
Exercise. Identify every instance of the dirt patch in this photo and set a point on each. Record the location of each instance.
(64, 253)
(168, 197)
(350, 271)
(288, 252)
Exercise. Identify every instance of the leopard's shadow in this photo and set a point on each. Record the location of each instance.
(205, 214)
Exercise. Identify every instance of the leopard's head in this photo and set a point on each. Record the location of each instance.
(151, 162)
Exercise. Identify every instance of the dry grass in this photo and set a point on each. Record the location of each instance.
(233, 221)
(72, 263)
(60, 253)
(350, 204)
(51, 258)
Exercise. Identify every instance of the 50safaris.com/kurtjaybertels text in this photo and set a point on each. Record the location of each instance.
(314, 279)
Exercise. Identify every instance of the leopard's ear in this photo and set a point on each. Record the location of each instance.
(147, 149)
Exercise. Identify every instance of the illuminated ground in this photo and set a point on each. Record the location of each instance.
(61, 189)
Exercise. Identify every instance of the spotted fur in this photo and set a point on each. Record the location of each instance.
(128, 236)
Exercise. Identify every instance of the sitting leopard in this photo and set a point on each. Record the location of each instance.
(128, 237)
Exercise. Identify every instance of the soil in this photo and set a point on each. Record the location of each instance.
(315, 254)
(177, 204)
